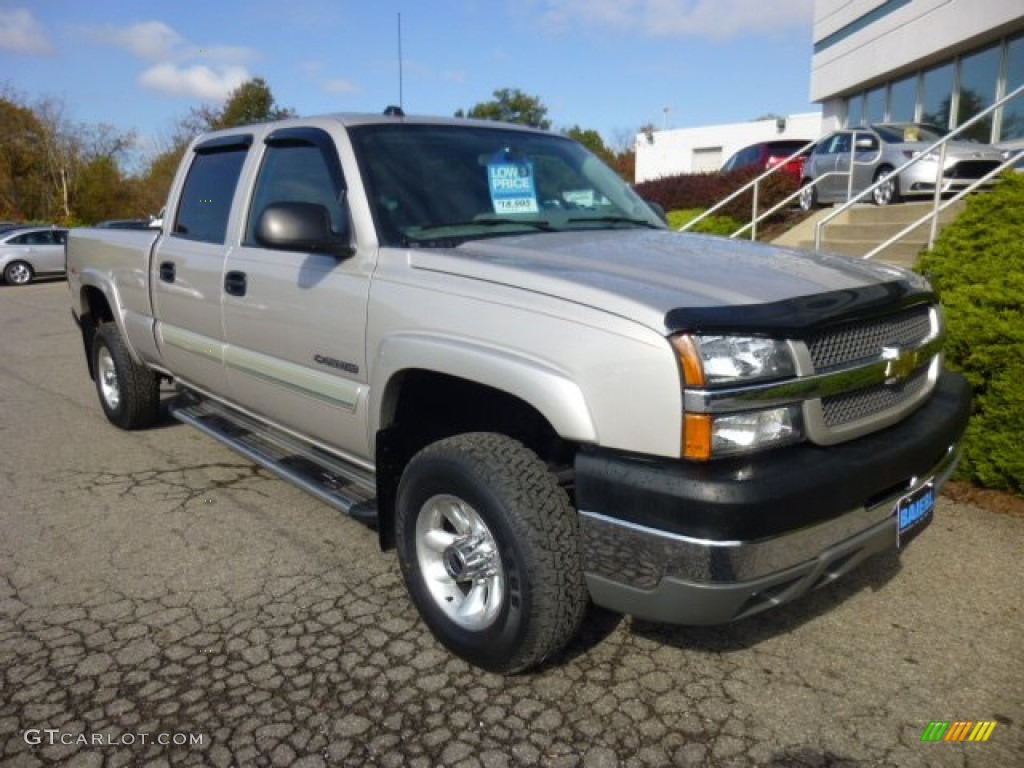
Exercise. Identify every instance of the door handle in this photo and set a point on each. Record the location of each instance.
(235, 283)
(167, 271)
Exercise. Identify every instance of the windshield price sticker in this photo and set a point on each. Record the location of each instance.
(512, 187)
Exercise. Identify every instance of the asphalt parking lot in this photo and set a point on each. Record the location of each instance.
(156, 587)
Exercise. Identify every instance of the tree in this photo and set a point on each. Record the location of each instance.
(23, 193)
(62, 150)
(251, 102)
(592, 140)
(511, 105)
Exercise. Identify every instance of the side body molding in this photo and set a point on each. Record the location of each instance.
(543, 386)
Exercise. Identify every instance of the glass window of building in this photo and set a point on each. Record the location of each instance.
(979, 75)
(874, 105)
(937, 95)
(1013, 111)
(855, 110)
(903, 100)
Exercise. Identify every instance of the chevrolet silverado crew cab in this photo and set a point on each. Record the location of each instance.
(477, 338)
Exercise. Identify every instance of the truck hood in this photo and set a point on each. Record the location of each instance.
(645, 275)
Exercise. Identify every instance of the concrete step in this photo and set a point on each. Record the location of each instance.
(877, 232)
(901, 213)
(902, 254)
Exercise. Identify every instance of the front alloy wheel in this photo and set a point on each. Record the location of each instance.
(18, 273)
(888, 191)
(459, 558)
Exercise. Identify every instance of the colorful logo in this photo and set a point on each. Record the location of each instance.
(958, 730)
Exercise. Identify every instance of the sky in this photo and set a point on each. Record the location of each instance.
(608, 65)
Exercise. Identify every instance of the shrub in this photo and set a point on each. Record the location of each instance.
(977, 266)
(703, 190)
(712, 225)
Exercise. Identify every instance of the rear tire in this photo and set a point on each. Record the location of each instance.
(129, 392)
(18, 273)
(489, 547)
(889, 192)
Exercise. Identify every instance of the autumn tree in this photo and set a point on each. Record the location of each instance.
(23, 193)
(511, 105)
(592, 140)
(251, 102)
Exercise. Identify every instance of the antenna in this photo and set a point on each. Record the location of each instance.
(401, 103)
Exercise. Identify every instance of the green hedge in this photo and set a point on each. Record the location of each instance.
(712, 225)
(702, 190)
(977, 266)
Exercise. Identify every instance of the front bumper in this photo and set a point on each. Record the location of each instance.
(686, 543)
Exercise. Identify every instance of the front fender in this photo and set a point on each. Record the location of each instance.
(547, 389)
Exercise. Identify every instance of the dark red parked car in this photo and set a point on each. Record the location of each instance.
(768, 154)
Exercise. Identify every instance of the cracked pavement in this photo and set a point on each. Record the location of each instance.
(157, 583)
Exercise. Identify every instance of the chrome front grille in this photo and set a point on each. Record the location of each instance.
(856, 342)
(867, 402)
(901, 380)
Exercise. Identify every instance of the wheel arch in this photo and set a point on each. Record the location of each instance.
(94, 308)
(419, 405)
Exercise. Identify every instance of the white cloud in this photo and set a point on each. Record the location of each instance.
(340, 86)
(152, 40)
(717, 19)
(199, 80)
(157, 41)
(20, 31)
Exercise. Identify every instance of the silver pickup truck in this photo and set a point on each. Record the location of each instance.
(477, 339)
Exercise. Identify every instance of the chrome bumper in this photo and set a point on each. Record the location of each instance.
(675, 579)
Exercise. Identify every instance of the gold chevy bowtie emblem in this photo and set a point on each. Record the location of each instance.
(899, 364)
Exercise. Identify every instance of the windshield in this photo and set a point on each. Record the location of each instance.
(438, 185)
(901, 133)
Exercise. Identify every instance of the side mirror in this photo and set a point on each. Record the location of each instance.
(658, 209)
(301, 227)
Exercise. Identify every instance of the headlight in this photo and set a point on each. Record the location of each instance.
(717, 360)
(710, 362)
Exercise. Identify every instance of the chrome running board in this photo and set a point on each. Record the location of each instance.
(335, 482)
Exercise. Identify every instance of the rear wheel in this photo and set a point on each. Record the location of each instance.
(18, 273)
(129, 392)
(489, 549)
(888, 192)
(808, 196)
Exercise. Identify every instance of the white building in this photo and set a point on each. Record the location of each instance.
(934, 61)
(696, 150)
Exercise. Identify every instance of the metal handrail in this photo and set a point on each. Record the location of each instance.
(922, 155)
(796, 194)
(934, 214)
(752, 184)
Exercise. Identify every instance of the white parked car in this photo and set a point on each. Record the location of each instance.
(878, 150)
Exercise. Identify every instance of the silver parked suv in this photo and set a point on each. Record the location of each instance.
(877, 150)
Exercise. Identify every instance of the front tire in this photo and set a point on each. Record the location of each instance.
(129, 392)
(889, 192)
(808, 199)
(18, 273)
(489, 547)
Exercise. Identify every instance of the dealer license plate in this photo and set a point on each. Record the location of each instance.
(914, 512)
